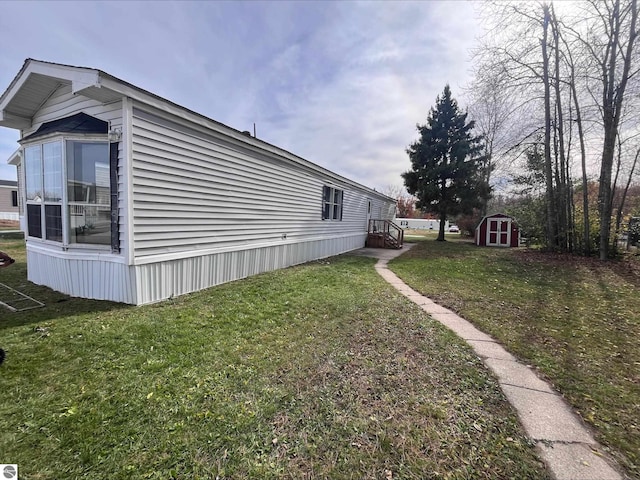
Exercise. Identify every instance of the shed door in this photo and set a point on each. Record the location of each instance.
(499, 232)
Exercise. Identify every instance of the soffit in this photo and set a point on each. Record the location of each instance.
(37, 81)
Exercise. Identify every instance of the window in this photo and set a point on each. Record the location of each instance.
(332, 203)
(14, 198)
(88, 192)
(34, 220)
(43, 175)
(68, 193)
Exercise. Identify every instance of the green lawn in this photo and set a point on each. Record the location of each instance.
(316, 371)
(577, 320)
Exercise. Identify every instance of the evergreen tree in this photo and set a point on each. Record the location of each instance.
(446, 163)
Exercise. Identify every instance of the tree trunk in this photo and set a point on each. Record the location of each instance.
(624, 196)
(443, 212)
(612, 101)
(552, 240)
(585, 190)
(563, 224)
(586, 232)
(443, 218)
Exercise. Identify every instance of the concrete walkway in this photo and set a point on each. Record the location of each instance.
(562, 440)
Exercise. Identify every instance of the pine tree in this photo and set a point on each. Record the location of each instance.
(446, 174)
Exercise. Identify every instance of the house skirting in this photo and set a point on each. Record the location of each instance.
(81, 274)
(9, 216)
(105, 277)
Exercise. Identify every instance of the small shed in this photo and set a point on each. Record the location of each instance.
(498, 230)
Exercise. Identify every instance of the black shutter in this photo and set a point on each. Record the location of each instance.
(113, 175)
(341, 203)
(326, 193)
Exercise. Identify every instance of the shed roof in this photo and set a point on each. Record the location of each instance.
(494, 215)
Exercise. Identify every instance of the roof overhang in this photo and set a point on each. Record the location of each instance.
(37, 81)
(15, 157)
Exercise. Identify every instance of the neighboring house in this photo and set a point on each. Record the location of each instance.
(132, 198)
(421, 223)
(498, 230)
(9, 200)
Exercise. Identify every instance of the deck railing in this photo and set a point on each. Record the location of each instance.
(384, 234)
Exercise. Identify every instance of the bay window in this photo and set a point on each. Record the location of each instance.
(68, 191)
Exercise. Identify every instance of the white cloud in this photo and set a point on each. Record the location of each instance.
(339, 83)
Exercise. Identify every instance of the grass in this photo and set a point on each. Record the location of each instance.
(577, 320)
(316, 371)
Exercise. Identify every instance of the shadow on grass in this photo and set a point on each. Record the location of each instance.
(62, 308)
(56, 305)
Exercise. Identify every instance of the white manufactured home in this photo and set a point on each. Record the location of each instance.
(8, 200)
(420, 223)
(126, 196)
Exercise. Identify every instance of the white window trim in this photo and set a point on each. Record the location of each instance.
(332, 203)
(64, 244)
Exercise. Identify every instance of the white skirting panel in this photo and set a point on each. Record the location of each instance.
(103, 279)
(159, 281)
(81, 277)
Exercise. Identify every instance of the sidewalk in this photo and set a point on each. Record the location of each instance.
(562, 440)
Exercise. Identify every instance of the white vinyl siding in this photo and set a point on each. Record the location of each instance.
(63, 103)
(193, 191)
(6, 199)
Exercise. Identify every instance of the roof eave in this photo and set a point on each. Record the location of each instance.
(80, 79)
(16, 122)
(143, 96)
(15, 157)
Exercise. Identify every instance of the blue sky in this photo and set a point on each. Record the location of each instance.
(339, 83)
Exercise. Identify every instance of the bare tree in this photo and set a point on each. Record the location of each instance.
(577, 118)
(612, 46)
(568, 66)
(491, 107)
(406, 204)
